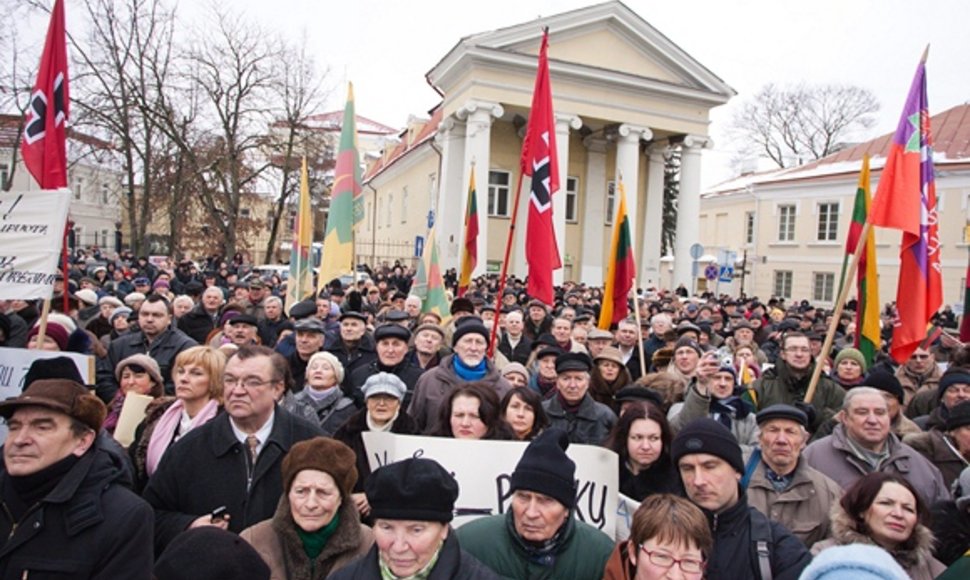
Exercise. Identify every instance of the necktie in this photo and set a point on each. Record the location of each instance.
(253, 443)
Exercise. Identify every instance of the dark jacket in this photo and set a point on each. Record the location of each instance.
(208, 468)
(351, 434)
(197, 323)
(352, 359)
(453, 563)
(936, 446)
(520, 353)
(403, 370)
(436, 385)
(779, 385)
(589, 425)
(88, 526)
(163, 349)
(951, 526)
(735, 550)
(661, 477)
(269, 330)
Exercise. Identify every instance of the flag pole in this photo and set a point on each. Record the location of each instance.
(636, 314)
(505, 266)
(837, 312)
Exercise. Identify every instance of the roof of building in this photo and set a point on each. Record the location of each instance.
(951, 146)
(405, 146)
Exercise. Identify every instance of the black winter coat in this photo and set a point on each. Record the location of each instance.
(952, 530)
(404, 370)
(453, 562)
(520, 353)
(208, 468)
(88, 526)
(352, 359)
(197, 323)
(163, 349)
(662, 477)
(350, 434)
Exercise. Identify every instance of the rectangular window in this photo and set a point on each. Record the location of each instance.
(78, 187)
(404, 205)
(749, 227)
(105, 192)
(4, 175)
(786, 223)
(782, 287)
(823, 286)
(244, 213)
(828, 222)
(610, 202)
(572, 197)
(104, 238)
(498, 193)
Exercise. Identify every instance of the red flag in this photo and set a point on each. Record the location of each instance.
(539, 161)
(906, 200)
(44, 140)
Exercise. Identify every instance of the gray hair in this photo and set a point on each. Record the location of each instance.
(661, 317)
(855, 392)
(275, 299)
(183, 298)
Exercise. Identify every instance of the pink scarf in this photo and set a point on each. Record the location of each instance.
(165, 430)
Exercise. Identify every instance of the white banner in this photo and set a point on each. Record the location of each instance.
(484, 470)
(14, 363)
(31, 235)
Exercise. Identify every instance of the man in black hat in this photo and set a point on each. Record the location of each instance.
(539, 537)
(66, 512)
(354, 347)
(572, 409)
(940, 443)
(391, 343)
(538, 321)
(746, 543)
(243, 330)
(309, 339)
(781, 485)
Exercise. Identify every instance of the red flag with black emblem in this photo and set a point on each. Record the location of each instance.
(539, 160)
(44, 141)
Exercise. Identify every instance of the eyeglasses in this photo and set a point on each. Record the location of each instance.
(248, 382)
(688, 565)
(920, 356)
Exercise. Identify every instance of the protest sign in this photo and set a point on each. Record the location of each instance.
(484, 469)
(625, 508)
(132, 414)
(31, 235)
(14, 363)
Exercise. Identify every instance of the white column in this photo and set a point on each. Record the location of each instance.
(652, 221)
(628, 167)
(594, 207)
(448, 230)
(688, 208)
(563, 123)
(478, 131)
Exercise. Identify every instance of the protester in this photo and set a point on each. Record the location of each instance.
(322, 401)
(515, 374)
(919, 373)
(715, 393)
(522, 410)
(854, 562)
(137, 374)
(947, 446)
(316, 529)
(309, 337)
(426, 351)
(609, 376)
(391, 344)
(641, 439)
(514, 344)
(353, 347)
(885, 510)
(572, 409)
(472, 411)
(849, 368)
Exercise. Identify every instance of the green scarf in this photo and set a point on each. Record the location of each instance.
(422, 574)
(315, 542)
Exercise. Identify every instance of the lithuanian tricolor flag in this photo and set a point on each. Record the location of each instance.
(867, 338)
(622, 269)
(469, 254)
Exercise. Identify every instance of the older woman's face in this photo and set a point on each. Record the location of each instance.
(892, 516)
(382, 407)
(655, 560)
(191, 382)
(320, 374)
(517, 379)
(135, 381)
(609, 370)
(406, 546)
(314, 499)
(849, 369)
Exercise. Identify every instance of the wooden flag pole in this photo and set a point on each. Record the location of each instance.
(42, 327)
(837, 313)
(636, 314)
(505, 267)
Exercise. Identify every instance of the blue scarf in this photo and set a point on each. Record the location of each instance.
(468, 373)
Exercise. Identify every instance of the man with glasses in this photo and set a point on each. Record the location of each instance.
(787, 383)
(226, 473)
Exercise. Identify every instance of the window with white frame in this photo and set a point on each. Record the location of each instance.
(432, 192)
(823, 286)
(104, 238)
(105, 193)
(610, 201)
(782, 285)
(572, 198)
(749, 227)
(498, 193)
(828, 222)
(404, 205)
(786, 223)
(78, 187)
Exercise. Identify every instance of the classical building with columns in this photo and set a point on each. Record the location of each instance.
(622, 92)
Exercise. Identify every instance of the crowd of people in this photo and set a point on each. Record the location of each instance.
(250, 460)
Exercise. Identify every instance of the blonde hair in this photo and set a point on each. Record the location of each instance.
(212, 360)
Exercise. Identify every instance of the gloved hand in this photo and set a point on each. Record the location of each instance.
(809, 411)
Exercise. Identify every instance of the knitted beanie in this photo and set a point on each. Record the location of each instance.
(954, 376)
(705, 435)
(851, 354)
(545, 468)
(412, 489)
(885, 381)
(208, 553)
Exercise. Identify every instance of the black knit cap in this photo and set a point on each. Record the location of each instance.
(782, 411)
(705, 435)
(953, 376)
(412, 489)
(959, 416)
(471, 326)
(880, 378)
(545, 468)
(208, 553)
(59, 367)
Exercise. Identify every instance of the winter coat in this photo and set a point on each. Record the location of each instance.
(351, 433)
(779, 385)
(924, 403)
(581, 555)
(589, 425)
(197, 323)
(735, 549)
(913, 383)
(901, 426)
(99, 326)
(329, 413)
(404, 370)
(88, 526)
(618, 565)
(917, 561)
(453, 563)
(163, 349)
(661, 477)
(520, 353)
(696, 405)
(803, 508)
(951, 526)
(834, 457)
(280, 546)
(936, 447)
(435, 386)
(208, 468)
(352, 358)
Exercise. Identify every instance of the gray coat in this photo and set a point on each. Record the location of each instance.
(330, 413)
(834, 457)
(589, 425)
(696, 405)
(435, 386)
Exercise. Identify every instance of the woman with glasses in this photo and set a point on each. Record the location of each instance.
(669, 538)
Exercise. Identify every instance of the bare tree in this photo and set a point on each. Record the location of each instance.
(17, 65)
(792, 125)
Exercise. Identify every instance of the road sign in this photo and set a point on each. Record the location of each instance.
(696, 251)
(726, 274)
(710, 272)
(418, 246)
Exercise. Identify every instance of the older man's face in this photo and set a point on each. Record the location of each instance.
(537, 517)
(38, 438)
(573, 385)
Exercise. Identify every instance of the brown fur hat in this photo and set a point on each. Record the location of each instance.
(61, 395)
(323, 454)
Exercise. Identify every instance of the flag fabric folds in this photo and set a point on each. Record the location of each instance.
(540, 162)
(965, 321)
(44, 142)
(867, 337)
(428, 282)
(345, 198)
(300, 284)
(906, 200)
(469, 254)
(621, 271)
